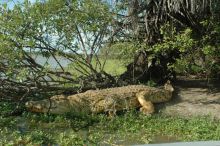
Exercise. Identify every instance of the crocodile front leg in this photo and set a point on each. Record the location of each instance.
(147, 107)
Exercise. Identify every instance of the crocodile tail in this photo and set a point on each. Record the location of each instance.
(168, 86)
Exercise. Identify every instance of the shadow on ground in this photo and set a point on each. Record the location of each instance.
(193, 98)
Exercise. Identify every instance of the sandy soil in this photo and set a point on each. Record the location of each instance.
(193, 98)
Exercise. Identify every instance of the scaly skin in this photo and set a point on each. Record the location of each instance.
(106, 100)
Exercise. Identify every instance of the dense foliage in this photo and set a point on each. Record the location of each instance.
(180, 35)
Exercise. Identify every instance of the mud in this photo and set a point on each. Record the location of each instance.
(194, 97)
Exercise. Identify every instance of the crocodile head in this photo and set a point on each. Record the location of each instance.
(37, 106)
(168, 86)
(47, 106)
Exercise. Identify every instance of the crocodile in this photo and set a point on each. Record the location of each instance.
(108, 100)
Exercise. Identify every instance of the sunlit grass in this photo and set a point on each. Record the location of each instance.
(112, 66)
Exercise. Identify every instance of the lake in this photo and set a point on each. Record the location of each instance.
(51, 61)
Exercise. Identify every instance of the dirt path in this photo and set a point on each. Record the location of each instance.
(194, 98)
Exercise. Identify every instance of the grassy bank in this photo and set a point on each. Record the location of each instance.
(112, 66)
(128, 128)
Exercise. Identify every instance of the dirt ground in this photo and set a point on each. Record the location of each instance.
(193, 97)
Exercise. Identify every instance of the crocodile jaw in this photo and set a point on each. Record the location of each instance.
(35, 106)
(168, 87)
(47, 106)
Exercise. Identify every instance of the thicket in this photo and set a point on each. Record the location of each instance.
(181, 36)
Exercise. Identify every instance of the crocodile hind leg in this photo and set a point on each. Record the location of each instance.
(147, 107)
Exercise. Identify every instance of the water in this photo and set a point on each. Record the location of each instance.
(51, 61)
(164, 139)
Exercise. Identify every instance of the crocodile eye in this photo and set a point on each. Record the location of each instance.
(28, 104)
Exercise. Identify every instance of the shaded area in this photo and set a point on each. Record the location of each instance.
(194, 98)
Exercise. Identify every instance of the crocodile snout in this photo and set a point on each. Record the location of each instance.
(33, 107)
